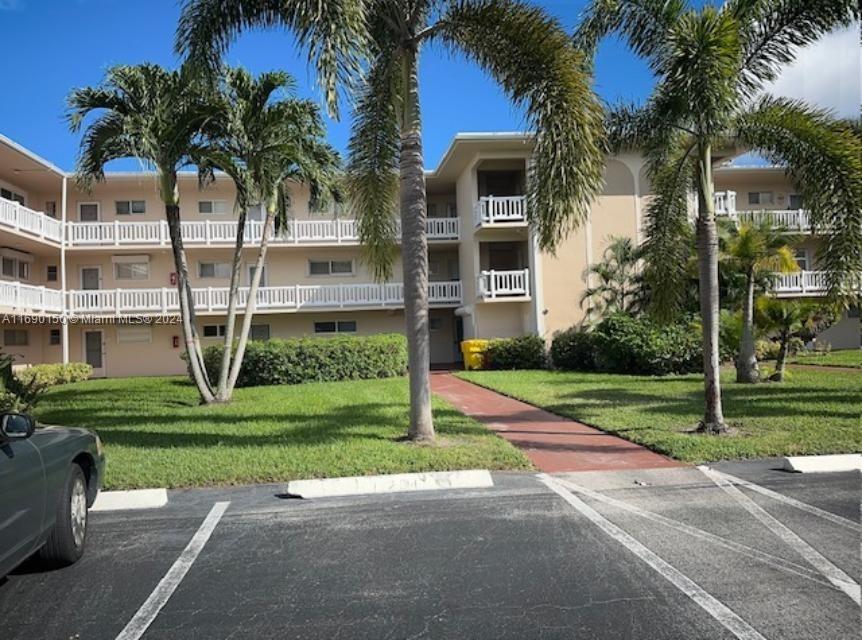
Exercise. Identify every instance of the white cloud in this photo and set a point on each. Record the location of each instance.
(827, 73)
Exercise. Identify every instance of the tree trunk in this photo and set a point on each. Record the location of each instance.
(414, 256)
(223, 392)
(746, 361)
(251, 301)
(186, 300)
(707, 263)
(781, 359)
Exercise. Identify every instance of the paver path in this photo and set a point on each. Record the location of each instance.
(551, 442)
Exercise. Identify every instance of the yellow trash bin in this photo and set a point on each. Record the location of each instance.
(474, 353)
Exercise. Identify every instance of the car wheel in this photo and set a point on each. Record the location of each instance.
(66, 541)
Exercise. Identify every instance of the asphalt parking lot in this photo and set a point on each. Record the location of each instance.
(664, 553)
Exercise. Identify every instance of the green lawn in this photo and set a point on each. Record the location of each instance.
(155, 435)
(843, 358)
(812, 412)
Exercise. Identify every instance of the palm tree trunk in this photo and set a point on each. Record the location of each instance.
(746, 362)
(781, 359)
(193, 351)
(251, 301)
(414, 256)
(707, 263)
(223, 393)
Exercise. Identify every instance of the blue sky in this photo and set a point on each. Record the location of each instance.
(51, 46)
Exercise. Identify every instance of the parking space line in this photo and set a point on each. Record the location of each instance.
(717, 609)
(773, 561)
(168, 584)
(793, 502)
(832, 573)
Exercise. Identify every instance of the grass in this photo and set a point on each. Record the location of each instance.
(155, 434)
(844, 358)
(812, 412)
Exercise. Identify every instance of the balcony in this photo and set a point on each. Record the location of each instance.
(387, 295)
(801, 283)
(17, 217)
(223, 232)
(504, 285)
(790, 219)
(500, 211)
(27, 298)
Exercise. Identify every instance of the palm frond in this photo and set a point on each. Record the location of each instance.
(531, 57)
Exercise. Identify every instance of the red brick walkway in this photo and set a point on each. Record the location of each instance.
(551, 442)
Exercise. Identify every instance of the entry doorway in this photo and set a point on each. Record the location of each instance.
(94, 351)
(91, 278)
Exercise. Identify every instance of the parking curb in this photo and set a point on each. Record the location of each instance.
(394, 483)
(824, 464)
(130, 500)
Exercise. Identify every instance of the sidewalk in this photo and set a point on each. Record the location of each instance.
(553, 443)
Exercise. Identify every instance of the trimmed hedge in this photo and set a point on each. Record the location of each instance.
(622, 344)
(50, 375)
(300, 360)
(524, 352)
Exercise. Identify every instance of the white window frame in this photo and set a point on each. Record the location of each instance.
(81, 268)
(131, 212)
(802, 255)
(134, 335)
(760, 200)
(19, 260)
(337, 324)
(221, 329)
(215, 275)
(98, 206)
(330, 273)
(132, 277)
(213, 204)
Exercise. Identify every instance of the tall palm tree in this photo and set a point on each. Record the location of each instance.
(156, 116)
(619, 287)
(265, 140)
(711, 66)
(787, 319)
(519, 45)
(757, 251)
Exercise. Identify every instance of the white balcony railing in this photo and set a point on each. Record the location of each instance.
(790, 219)
(725, 203)
(25, 297)
(492, 210)
(290, 297)
(494, 285)
(221, 232)
(34, 223)
(801, 283)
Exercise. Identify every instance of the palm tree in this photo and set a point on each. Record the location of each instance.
(619, 287)
(264, 143)
(757, 251)
(519, 45)
(788, 319)
(155, 116)
(711, 67)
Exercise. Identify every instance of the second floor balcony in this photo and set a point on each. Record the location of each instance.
(25, 298)
(789, 219)
(16, 217)
(511, 284)
(492, 211)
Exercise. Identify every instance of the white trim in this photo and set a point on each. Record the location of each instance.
(81, 276)
(63, 243)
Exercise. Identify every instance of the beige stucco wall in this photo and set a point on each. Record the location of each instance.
(844, 334)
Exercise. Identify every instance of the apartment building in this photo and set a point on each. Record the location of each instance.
(90, 277)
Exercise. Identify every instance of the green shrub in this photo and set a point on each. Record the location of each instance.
(315, 359)
(51, 375)
(729, 335)
(766, 349)
(623, 344)
(525, 352)
(573, 350)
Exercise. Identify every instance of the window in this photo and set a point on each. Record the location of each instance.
(802, 259)
(218, 207)
(259, 332)
(341, 326)
(88, 211)
(16, 337)
(330, 267)
(51, 275)
(54, 337)
(9, 267)
(134, 335)
(759, 197)
(15, 265)
(794, 201)
(214, 270)
(11, 195)
(132, 270)
(131, 207)
(214, 330)
(435, 323)
(51, 208)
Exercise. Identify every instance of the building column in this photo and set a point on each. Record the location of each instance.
(64, 325)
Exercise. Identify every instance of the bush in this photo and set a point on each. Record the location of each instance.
(315, 359)
(622, 344)
(573, 349)
(525, 352)
(51, 375)
(766, 349)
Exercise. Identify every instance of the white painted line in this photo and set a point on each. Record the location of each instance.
(127, 500)
(793, 502)
(718, 610)
(166, 587)
(756, 554)
(824, 464)
(395, 483)
(832, 573)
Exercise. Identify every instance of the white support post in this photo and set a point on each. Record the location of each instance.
(64, 305)
(116, 232)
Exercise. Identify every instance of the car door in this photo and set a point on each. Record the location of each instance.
(22, 501)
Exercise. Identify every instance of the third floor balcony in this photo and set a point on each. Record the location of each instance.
(795, 220)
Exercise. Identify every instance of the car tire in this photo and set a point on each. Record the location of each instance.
(65, 544)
